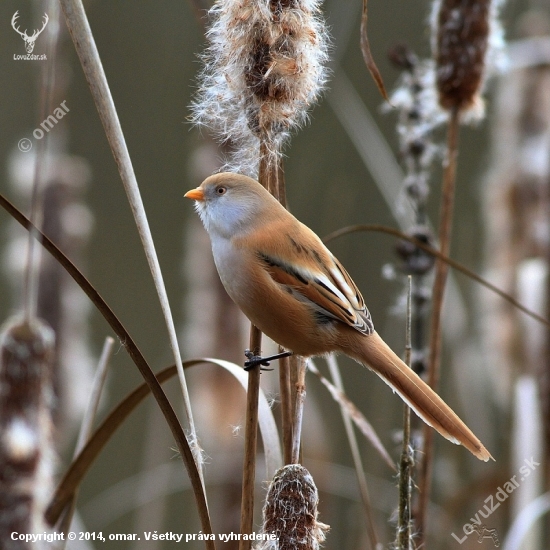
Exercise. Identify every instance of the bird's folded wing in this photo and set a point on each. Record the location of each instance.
(326, 285)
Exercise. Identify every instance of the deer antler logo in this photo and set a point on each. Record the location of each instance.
(29, 40)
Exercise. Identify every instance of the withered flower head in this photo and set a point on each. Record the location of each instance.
(263, 69)
(290, 511)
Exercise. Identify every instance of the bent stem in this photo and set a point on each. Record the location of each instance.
(140, 362)
(86, 49)
(441, 270)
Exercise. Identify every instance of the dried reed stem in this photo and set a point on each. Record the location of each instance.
(251, 441)
(267, 177)
(81, 33)
(31, 275)
(441, 270)
(406, 464)
(87, 424)
(298, 409)
(286, 415)
(356, 455)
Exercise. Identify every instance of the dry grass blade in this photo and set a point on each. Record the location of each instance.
(87, 423)
(367, 56)
(81, 34)
(357, 416)
(442, 257)
(266, 421)
(137, 358)
(80, 465)
(356, 455)
(78, 468)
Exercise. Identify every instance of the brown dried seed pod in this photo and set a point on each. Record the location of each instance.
(290, 511)
(462, 37)
(26, 359)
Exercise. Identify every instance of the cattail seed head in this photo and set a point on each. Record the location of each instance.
(290, 511)
(26, 455)
(263, 69)
(464, 31)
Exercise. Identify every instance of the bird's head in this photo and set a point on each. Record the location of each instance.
(230, 203)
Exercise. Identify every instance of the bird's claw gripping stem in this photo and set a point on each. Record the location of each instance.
(255, 360)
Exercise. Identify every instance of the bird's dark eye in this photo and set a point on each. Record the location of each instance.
(221, 190)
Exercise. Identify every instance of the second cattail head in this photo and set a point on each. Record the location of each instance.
(464, 35)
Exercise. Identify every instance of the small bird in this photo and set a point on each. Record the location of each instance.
(290, 286)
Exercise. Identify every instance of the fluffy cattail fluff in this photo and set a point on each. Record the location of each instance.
(466, 40)
(290, 512)
(26, 455)
(263, 69)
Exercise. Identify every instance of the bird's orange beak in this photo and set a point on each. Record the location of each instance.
(195, 194)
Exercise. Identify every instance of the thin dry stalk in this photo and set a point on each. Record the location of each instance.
(31, 275)
(404, 540)
(87, 424)
(437, 254)
(251, 441)
(298, 410)
(286, 416)
(356, 455)
(81, 33)
(441, 270)
(268, 174)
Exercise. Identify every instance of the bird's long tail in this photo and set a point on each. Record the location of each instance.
(375, 354)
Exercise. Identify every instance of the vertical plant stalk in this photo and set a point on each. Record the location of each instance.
(31, 275)
(268, 178)
(286, 400)
(356, 456)
(87, 425)
(298, 410)
(406, 464)
(251, 441)
(441, 270)
(86, 48)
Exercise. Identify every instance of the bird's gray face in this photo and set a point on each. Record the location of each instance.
(224, 209)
